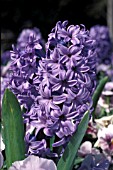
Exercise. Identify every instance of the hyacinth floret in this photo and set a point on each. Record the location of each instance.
(23, 37)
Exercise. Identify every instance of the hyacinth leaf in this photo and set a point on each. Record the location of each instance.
(98, 92)
(67, 160)
(78, 160)
(13, 128)
(51, 142)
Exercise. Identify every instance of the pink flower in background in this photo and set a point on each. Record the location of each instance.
(86, 148)
(92, 129)
(34, 163)
(105, 141)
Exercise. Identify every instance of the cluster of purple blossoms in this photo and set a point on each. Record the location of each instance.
(23, 37)
(56, 89)
(5, 73)
(22, 41)
(103, 43)
(24, 69)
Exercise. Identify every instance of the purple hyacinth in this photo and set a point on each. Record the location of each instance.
(57, 89)
(23, 37)
(38, 147)
(103, 43)
(24, 70)
(5, 72)
(68, 83)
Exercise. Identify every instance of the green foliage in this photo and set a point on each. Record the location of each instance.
(98, 93)
(67, 161)
(51, 142)
(13, 128)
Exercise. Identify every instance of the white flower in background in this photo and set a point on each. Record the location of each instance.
(105, 141)
(34, 163)
(103, 67)
(2, 146)
(106, 99)
(108, 89)
(86, 148)
(109, 86)
(102, 103)
(104, 121)
(1, 160)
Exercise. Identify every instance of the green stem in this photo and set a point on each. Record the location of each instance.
(97, 93)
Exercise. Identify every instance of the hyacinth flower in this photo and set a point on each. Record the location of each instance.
(103, 43)
(24, 72)
(23, 37)
(33, 163)
(5, 71)
(105, 141)
(25, 75)
(5, 66)
(57, 89)
(22, 41)
(106, 69)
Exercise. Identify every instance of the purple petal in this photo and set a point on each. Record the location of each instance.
(72, 82)
(84, 69)
(59, 99)
(63, 50)
(48, 132)
(56, 87)
(62, 75)
(53, 80)
(59, 143)
(64, 59)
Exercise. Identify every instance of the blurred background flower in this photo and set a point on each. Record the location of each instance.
(105, 141)
(33, 163)
(87, 148)
(1, 159)
(97, 162)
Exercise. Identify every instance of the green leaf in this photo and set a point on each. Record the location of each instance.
(66, 162)
(98, 92)
(51, 142)
(78, 160)
(13, 128)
